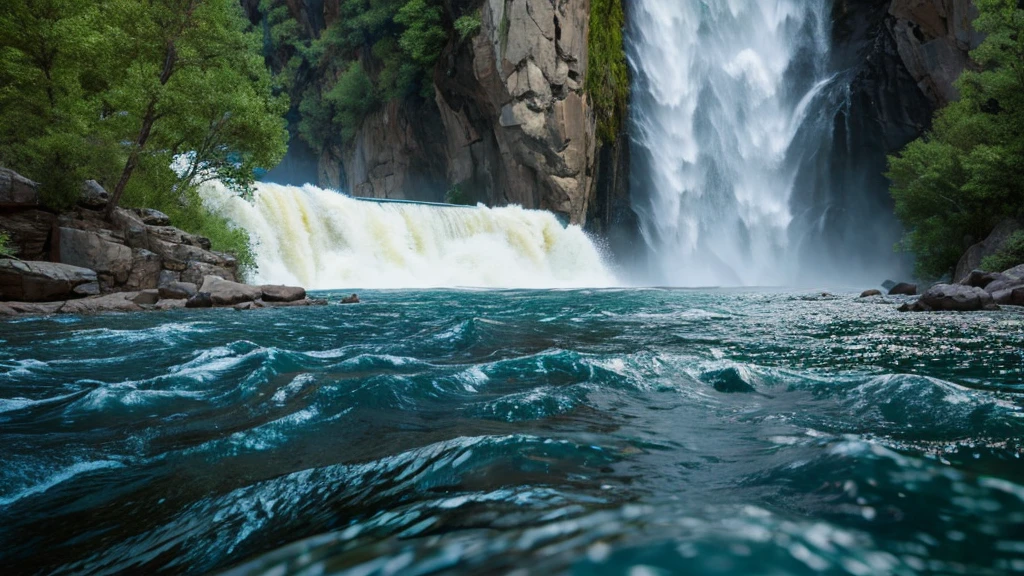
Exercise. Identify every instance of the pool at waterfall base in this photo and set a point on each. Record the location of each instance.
(605, 431)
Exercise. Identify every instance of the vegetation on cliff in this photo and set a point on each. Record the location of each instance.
(115, 90)
(375, 51)
(608, 77)
(5, 247)
(953, 185)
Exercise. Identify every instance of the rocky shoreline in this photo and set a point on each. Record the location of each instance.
(78, 262)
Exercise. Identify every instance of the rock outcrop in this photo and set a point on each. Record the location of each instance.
(971, 260)
(45, 281)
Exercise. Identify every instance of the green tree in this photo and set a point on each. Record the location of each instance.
(197, 84)
(56, 66)
(952, 186)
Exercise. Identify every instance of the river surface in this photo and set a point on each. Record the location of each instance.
(629, 432)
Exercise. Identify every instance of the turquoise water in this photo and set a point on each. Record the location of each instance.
(582, 432)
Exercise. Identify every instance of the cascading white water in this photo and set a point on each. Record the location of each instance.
(322, 239)
(722, 89)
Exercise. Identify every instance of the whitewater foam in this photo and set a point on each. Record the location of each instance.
(322, 239)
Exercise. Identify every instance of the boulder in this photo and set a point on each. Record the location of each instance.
(1009, 297)
(117, 302)
(981, 279)
(146, 269)
(175, 265)
(903, 289)
(178, 290)
(147, 297)
(958, 298)
(1008, 280)
(165, 304)
(16, 191)
(971, 260)
(200, 300)
(153, 217)
(353, 299)
(167, 277)
(44, 281)
(870, 293)
(196, 272)
(132, 228)
(30, 232)
(93, 196)
(226, 293)
(99, 253)
(283, 293)
(30, 308)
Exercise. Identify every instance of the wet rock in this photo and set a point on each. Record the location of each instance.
(870, 293)
(226, 293)
(903, 289)
(178, 290)
(147, 297)
(200, 300)
(283, 293)
(353, 299)
(153, 217)
(248, 305)
(93, 196)
(29, 308)
(16, 191)
(170, 304)
(956, 298)
(44, 281)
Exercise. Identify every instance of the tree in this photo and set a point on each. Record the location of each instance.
(197, 84)
(56, 65)
(952, 186)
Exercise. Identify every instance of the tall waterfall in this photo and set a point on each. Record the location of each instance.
(322, 239)
(727, 112)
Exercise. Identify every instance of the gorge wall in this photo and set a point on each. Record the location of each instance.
(510, 120)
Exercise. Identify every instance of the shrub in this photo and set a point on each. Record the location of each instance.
(458, 195)
(5, 245)
(467, 26)
(608, 76)
(1011, 255)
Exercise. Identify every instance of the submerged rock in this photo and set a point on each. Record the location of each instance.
(353, 299)
(903, 289)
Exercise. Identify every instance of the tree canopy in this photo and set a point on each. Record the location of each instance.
(956, 183)
(115, 89)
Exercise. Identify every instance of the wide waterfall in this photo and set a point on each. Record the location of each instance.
(321, 239)
(729, 113)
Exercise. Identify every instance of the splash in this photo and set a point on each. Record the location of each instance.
(321, 239)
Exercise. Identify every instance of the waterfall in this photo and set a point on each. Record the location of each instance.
(730, 114)
(321, 239)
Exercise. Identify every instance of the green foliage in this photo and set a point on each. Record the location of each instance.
(116, 89)
(952, 186)
(1010, 256)
(467, 26)
(186, 211)
(459, 195)
(608, 76)
(5, 245)
(375, 51)
(352, 99)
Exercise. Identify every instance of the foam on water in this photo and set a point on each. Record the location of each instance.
(321, 239)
